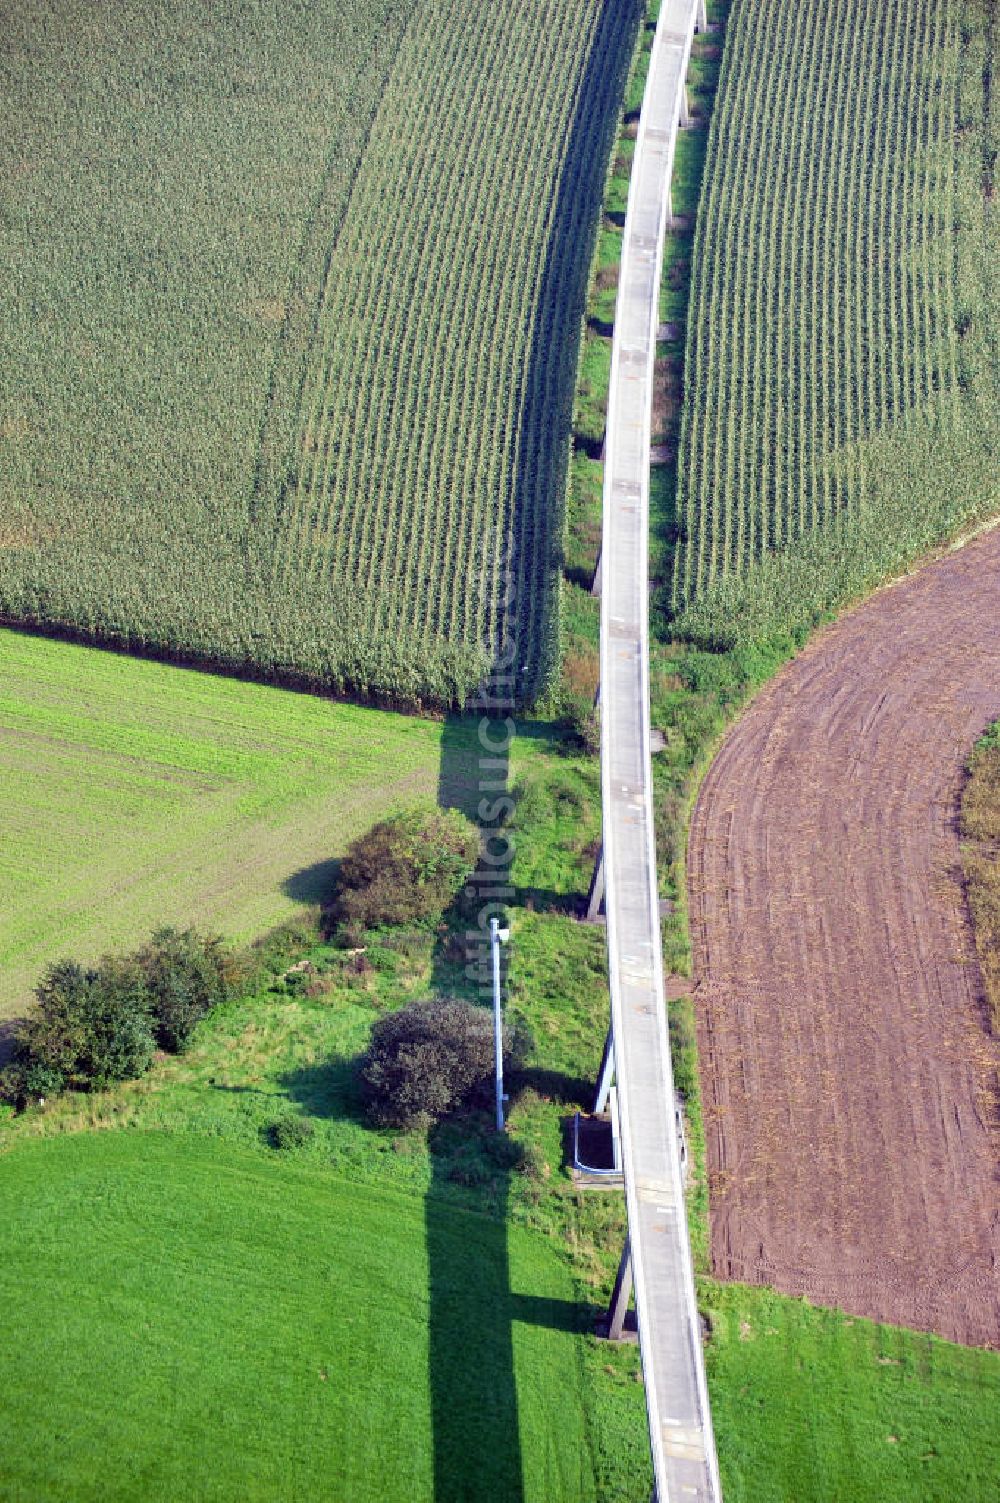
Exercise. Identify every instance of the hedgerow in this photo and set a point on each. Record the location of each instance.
(93, 1025)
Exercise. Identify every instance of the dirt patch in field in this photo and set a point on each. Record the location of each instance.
(851, 1079)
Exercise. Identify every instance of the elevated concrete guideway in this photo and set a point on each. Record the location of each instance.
(682, 1443)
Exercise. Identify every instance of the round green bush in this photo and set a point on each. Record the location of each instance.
(406, 869)
(292, 1132)
(429, 1058)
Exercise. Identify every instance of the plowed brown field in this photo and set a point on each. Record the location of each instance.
(851, 1084)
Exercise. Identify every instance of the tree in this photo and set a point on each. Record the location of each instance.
(91, 1027)
(429, 1058)
(186, 975)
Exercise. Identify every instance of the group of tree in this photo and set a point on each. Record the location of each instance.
(94, 1025)
(432, 1056)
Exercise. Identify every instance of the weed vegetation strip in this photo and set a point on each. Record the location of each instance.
(980, 829)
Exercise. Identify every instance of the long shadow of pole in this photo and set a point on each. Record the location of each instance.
(477, 1447)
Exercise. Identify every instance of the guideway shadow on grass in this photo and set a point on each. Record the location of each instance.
(474, 1415)
(472, 1309)
(473, 1314)
(313, 884)
(474, 776)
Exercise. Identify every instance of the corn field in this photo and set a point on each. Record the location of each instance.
(287, 369)
(839, 412)
(429, 466)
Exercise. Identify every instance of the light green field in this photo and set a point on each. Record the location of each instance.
(136, 793)
(212, 1324)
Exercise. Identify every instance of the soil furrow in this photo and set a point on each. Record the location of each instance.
(850, 1077)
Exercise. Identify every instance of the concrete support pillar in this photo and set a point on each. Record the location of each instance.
(670, 208)
(701, 17)
(620, 1295)
(616, 1131)
(595, 588)
(595, 897)
(605, 1075)
(684, 119)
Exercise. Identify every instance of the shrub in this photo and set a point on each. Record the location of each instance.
(292, 1132)
(429, 1058)
(186, 975)
(91, 1027)
(407, 868)
(98, 1025)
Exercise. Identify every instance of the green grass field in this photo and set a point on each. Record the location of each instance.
(136, 793)
(810, 1404)
(287, 357)
(182, 1302)
(841, 359)
(209, 1323)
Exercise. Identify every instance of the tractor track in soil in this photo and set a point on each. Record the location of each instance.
(850, 1080)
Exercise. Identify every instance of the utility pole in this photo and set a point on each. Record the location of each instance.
(498, 937)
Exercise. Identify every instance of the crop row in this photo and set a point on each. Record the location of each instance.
(287, 363)
(434, 420)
